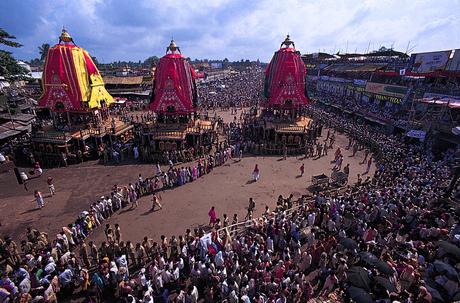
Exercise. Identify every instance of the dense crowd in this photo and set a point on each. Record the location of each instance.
(369, 109)
(241, 89)
(390, 237)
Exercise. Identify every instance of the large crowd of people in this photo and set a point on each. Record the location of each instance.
(240, 89)
(393, 237)
(389, 238)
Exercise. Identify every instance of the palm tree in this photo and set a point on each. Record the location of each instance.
(6, 38)
(43, 50)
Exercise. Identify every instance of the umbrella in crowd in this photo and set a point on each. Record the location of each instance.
(387, 284)
(449, 248)
(359, 277)
(435, 294)
(359, 295)
(449, 271)
(348, 243)
(372, 260)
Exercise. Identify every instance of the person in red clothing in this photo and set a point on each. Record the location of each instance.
(212, 216)
(338, 152)
(302, 169)
(51, 188)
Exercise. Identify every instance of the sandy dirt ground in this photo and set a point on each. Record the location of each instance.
(227, 188)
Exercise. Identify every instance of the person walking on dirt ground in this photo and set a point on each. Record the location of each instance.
(156, 202)
(302, 169)
(366, 154)
(256, 173)
(331, 140)
(212, 216)
(355, 149)
(49, 181)
(346, 169)
(39, 199)
(319, 149)
(252, 204)
(117, 233)
(369, 164)
(284, 152)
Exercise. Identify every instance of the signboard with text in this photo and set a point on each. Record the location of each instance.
(454, 63)
(429, 62)
(418, 134)
(359, 82)
(386, 89)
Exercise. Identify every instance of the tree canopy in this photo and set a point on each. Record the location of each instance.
(151, 61)
(43, 50)
(9, 67)
(6, 38)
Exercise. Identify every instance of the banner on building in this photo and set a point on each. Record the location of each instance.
(429, 62)
(386, 89)
(394, 100)
(454, 63)
(216, 65)
(418, 134)
(440, 96)
(335, 79)
(359, 82)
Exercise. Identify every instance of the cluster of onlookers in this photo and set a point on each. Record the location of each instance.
(388, 238)
(241, 89)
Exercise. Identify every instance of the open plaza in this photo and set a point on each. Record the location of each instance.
(317, 177)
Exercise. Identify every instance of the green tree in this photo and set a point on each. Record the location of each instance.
(43, 50)
(6, 38)
(35, 62)
(151, 61)
(9, 67)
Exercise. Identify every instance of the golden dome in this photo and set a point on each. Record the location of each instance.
(65, 37)
(172, 47)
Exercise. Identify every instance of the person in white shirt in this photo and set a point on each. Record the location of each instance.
(193, 293)
(270, 246)
(311, 219)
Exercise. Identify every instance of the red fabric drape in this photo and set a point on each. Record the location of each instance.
(60, 84)
(174, 85)
(285, 76)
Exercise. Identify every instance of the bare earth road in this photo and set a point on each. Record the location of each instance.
(226, 187)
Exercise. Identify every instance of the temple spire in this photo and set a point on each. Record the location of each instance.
(65, 37)
(173, 47)
(288, 42)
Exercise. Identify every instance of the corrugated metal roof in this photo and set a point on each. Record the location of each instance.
(18, 117)
(371, 67)
(111, 80)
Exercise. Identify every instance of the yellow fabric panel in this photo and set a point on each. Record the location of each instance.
(81, 72)
(98, 92)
